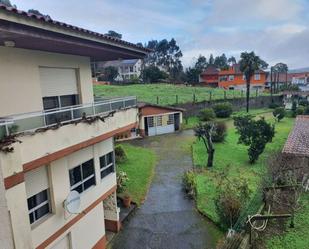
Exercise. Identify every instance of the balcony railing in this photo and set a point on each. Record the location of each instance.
(32, 121)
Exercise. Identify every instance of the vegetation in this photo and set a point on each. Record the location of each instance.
(189, 183)
(167, 94)
(109, 74)
(204, 132)
(232, 157)
(153, 74)
(220, 132)
(249, 64)
(255, 134)
(139, 168)
(223, 110)
(275, 71)
(279, 113)
(120, 154)
(207, 114)
(114, 34)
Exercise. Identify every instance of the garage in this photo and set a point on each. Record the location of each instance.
(158, 120)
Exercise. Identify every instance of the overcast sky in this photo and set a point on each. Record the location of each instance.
(277, 30)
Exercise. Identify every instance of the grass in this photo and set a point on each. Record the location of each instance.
(297, 237)
(140, 169)
(232, 158)
(166, 93)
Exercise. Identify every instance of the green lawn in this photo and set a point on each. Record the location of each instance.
(140, 169)
(232, 158)
(165, 92)
(297, 237)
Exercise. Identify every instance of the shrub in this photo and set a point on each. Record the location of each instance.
(189, 183)
(120, 154)
(306, 111)
(207, 114)
(279, 113)
(122, 179)
(273, 105)
(223, 110)
(219, 132)
(300, 110)
(303, 102)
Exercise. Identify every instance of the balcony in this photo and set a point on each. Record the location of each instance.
(31, 121)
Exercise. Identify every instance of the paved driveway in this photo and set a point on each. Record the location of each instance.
(167, 219)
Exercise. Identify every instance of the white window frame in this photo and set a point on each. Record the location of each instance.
(112, 164)
(231, 77)
(159, 121)
(83, 180)
(35, 220)
(244, 77)
(171, 119)
(257, 76)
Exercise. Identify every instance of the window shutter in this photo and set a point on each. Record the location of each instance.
(36, 180)
(58, 81)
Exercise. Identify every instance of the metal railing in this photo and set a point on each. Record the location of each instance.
(34, 120)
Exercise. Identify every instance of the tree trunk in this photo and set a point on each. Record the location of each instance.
(210, 160)
(271, 84)
(248, 95)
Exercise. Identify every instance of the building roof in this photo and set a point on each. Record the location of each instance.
(235, 69)
(172, 108)
(119, 63)
(298, 140)
(211, 69)
(26, 29)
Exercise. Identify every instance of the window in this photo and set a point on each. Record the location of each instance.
(244, 77)
(60, 101)
(159, 120)
(257, 76)
(170, 119)
(37, 190)
(231, 77)
(38, 206)
(107, 164)
(131, 69)
(150, 121)
(82, 177)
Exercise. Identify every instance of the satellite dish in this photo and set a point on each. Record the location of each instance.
(72, 203)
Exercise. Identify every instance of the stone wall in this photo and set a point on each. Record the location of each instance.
(239, 103)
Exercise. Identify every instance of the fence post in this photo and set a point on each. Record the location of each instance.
(233, 94)
(242, 93)
(224, 94)
(256, 93)
(176, 99)
(210, 93)
(193, 97)
(157, 100)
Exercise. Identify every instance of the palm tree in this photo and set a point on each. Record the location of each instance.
(280, 68)
(249, 63)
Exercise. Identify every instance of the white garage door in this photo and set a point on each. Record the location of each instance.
(58, 81)
(158, 125)
(63, 243)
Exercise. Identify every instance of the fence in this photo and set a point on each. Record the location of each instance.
(31, 121)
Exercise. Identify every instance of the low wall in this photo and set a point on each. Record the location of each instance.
(238, 103)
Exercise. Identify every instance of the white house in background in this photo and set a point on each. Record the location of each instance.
(54, 139)
(127, 69)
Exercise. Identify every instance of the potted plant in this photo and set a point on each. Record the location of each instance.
(126, 200)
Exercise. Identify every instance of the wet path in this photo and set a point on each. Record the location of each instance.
(167, 219)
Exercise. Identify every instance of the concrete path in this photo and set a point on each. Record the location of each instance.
(167, 219)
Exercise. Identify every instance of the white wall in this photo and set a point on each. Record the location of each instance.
(20, 89)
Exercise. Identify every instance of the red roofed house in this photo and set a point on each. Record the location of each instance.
(210, 76)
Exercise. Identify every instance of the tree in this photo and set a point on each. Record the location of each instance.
(192, 75)
(221, 62)
(232, 60)
(201, 63)
(211, 60)
(152, 74)
(114, 34)
(276, 70)
(7, 3)
(38, 13)
(255, 134)
(249, 64)
(279, 113)
(205, 131)
(110, 73)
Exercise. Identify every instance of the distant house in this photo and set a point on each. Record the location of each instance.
(128, 70)
(283, 79)
(301, 80)
(233, 78)
(210, 77)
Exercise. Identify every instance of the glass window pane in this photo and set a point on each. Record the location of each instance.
(31, 218)
(37, 199)
(89, 183)
(41, 211)
(75, 175)
(88, 168)
(109, 158)
(68, 100)
(50, 102)
(107, 171)
(102, 162)
(79, 189)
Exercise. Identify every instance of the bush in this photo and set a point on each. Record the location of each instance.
(279, 113)
(122, 179)
(219, 133)
(300, 110)
(189, 183)
(223, 110)
(273, 105)
(303, 102)
(120, 155)
(207, 114)
(306, 111)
